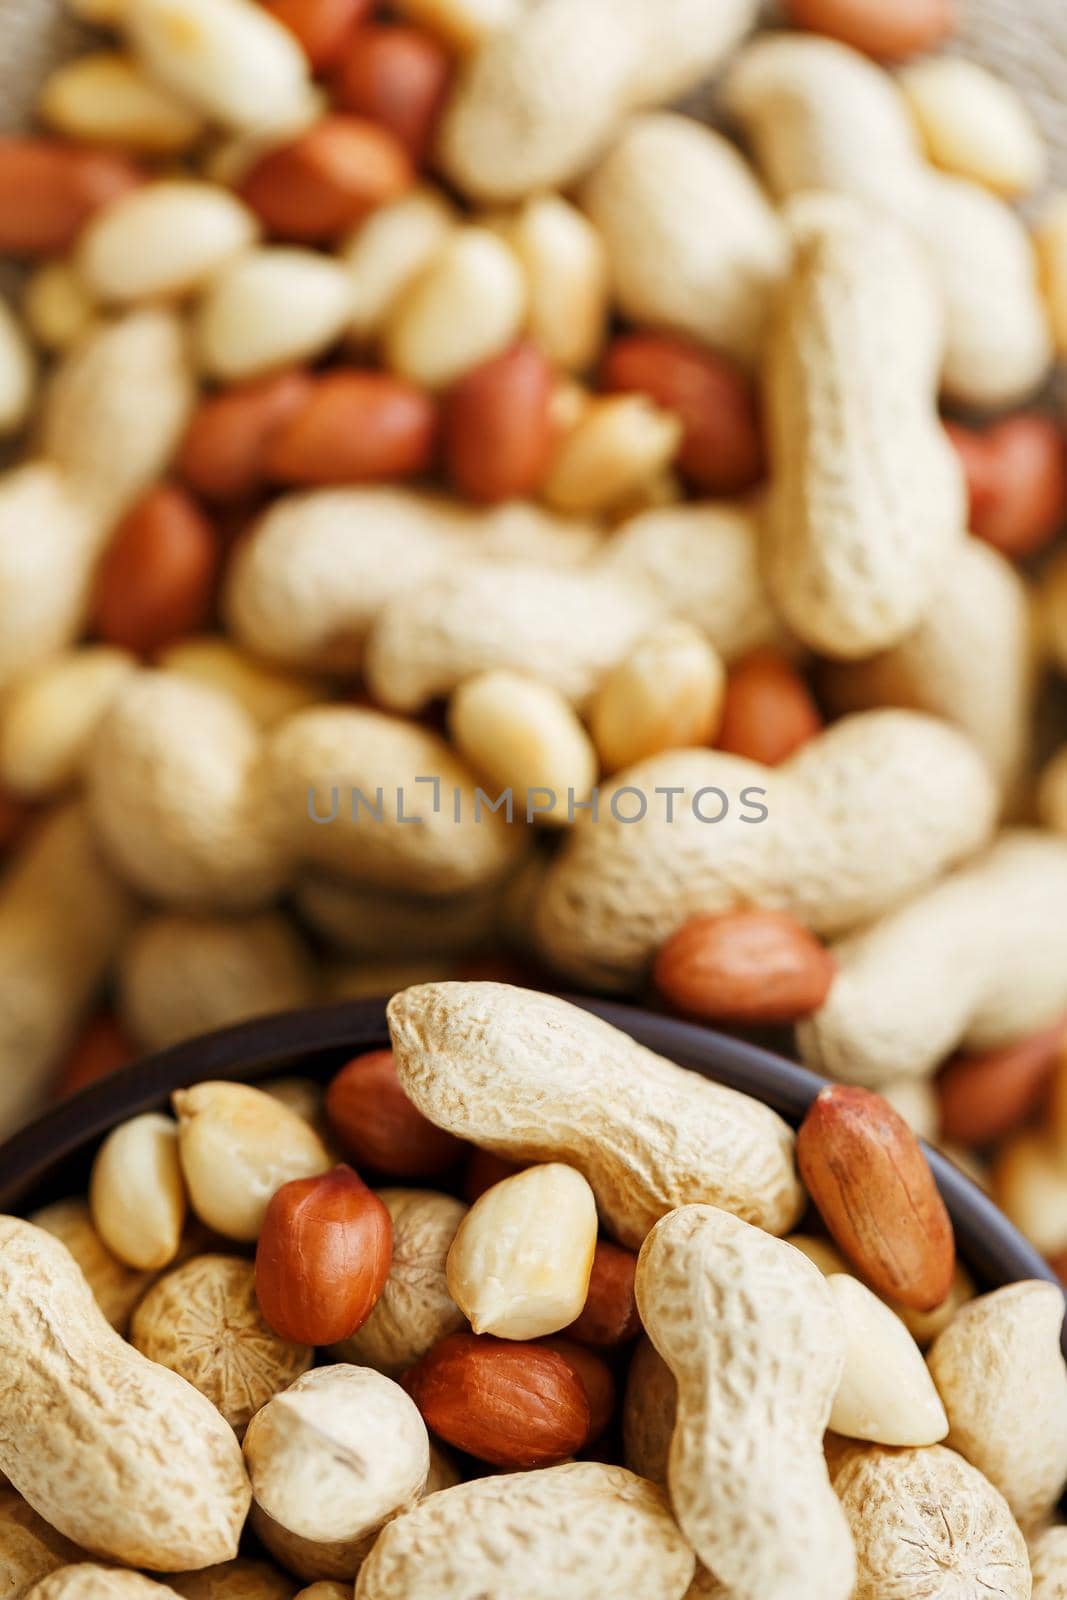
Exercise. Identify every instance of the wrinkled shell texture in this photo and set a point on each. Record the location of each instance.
(973, 960)
(415, 1309)
(649, 1409)
(564, 1533)
(927, 1526)
(536, 1079)
(117, 1288)
(867, 500)
(848, 835)
(756, 1344)
(203, 1321)
(120, 1455)
(1000, 1372)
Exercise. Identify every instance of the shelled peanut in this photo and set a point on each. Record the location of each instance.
(778, 1423)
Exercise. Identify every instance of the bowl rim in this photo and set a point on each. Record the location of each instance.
(274, 1046)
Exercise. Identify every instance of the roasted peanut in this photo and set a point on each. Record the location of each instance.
(398, 77)
(768, 710)
(49, 190)
(136, 1193)
(379, 1127)
(156, 581)
(744, 967)
(498, 436)
(311, 191)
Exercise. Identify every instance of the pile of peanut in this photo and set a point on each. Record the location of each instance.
(662, 1348)
(407, 403)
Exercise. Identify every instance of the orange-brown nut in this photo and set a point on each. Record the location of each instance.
(745, 967)
(49, 190)
(328, 179)
(768, 711)
(323, 28)
(498, 431)
(889, 28)
(379, 1127)
(867, 1174)
(609, 1316)
(984, 1097)
(157, 579)
(222, 455)
(398, 77)
(354, 427)
(323, 1257)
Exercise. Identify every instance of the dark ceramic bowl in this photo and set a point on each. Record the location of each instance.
(50, 1159)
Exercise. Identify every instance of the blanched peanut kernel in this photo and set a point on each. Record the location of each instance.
(519, 1266)
(666, 695)
(136, 1193)
(522, 735)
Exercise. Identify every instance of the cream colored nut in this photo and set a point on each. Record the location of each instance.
(389, 251)
(973, 966)
(49, 719)
(203, 1321)
(519, 1266)
(563, 1533)
(1051, 239)
(970, 660)
(177, 761)
(1000, 1372)
(269, 308)
(617, 891)
(914, 1099)
(536, 1079)
(56, 306)
(29, 1548)
(975, 125)
(867, 504)
(136, 1193)
(307, 584)
(266, 692)
(886, 1394)
(238, 1146)
(523, 737)
(1030, 1187)
(116, 1287)
(183, 974)
(129, 380)
(416, 1309)
(823, 117)
(229, 58)
(170, 237)
(650, 1407)
(236, 1580)
(619, 445)
(468, 305)
(76, 1394)
(1048, 1564)
(89, 1582)
(18, 373)
(566, 269)
(925, 1519)
(63, 919)
(649, 199)
(462, 23)
(44, 582)
(337, 1454)
(107, 98)
(667, 694)
(542, 98)
(756, 1381)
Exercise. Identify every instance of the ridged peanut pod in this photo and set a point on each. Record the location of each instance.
(184, 973)
(970, 660)
(128, 382)
(198, 808)
(927, 1523)
(756, 1344)
(316, 569)
(564, 1533)
(86, 1581)
(650, 199)
(63, 917)
(540, 100)
(536, 1079)
(822, 116)
(77, 1399)
(976, 962)
(999, 1369)
(570, 627)
(1048, 1563)
(867, 501)
(29, 1548)
(848, 834)
(49, 538)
